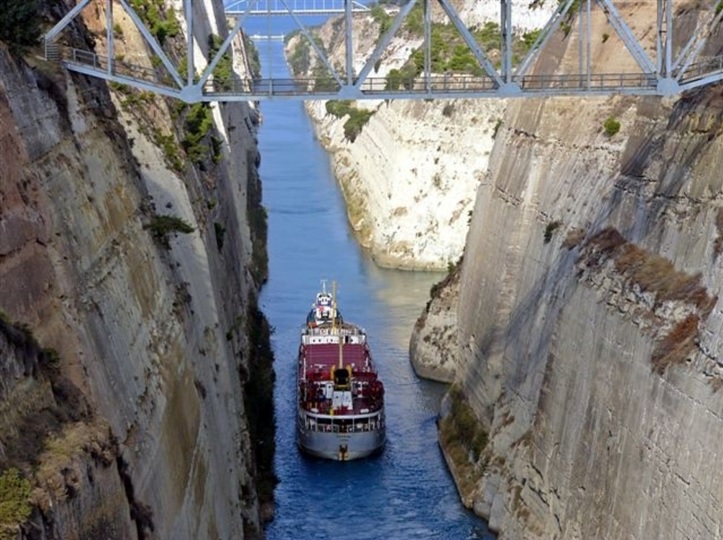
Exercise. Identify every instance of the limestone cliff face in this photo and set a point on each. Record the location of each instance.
(410, 176)
(589, 320)
(158, 333)
(432, 346)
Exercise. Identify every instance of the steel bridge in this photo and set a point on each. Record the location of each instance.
(298, 7)
(677, 64)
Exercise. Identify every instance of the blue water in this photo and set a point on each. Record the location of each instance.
(406, 492)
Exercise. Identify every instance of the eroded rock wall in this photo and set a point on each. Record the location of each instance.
(158, 332)
(410, 176)
(589, 320)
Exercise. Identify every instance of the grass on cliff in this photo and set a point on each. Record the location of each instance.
(651, 273)
(461, 432)
(15, 507)
(223, 73)
(463, 439)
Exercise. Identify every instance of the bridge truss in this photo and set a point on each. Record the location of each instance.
(677, 63)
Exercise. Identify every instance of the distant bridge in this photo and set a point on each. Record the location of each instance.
(678, 64)
(297, 7)
(267, 37)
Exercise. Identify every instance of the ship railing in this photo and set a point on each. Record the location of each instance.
(357, 424)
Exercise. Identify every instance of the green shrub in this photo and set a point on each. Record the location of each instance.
(162, 227)
(161, 22)
(357, 120)
(300, 57)
(223, 73)
(394, 79)
(171, 151)
(550, 229)
(20, 24)
(462, 426)
(357, 117)
(15, 506)
(198, 124)
(528, 38)
(252, 55)
(383, 19)
(612, 126)
(339, 108)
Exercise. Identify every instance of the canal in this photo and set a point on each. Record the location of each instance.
(406, 492)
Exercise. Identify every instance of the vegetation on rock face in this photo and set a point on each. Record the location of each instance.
(258, 220)
(652, 274)
(612, 126)
(462, 428)
(449, 53)
(161, 22)
(252, 55)
(20, 24)
(15, 505)
(259, 403)
(223, 74)
(463, 439)
(162, 227)
(198, 124)
(300, 58)
(357, 117)
(383, 19)
(220, 231)
(550, 230)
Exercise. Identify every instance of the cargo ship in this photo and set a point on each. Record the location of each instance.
(340, 396)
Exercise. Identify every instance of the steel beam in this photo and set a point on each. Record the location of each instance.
(666, 76)
(383, 43)
(152, 42)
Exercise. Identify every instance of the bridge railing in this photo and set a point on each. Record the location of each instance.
(593, 81)
(101, 62)
(451, 84)
(703, 68)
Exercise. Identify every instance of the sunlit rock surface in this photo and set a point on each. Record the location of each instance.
(148, 332)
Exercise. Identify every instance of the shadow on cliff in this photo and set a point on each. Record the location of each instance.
(653, 196)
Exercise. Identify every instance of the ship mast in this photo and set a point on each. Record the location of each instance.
(333, 323)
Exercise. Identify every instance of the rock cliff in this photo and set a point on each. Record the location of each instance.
(588, 343)
(410, 176)
(137, 361)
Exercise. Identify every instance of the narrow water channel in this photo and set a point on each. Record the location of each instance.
(406, 492)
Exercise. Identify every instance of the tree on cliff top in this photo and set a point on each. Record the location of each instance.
(19, 24)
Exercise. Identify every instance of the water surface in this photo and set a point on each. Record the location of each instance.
(406, 492)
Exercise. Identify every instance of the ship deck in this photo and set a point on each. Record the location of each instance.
(318, 361)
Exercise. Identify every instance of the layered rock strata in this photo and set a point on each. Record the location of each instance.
(138, 273)
(409, 177)
(588, 320)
